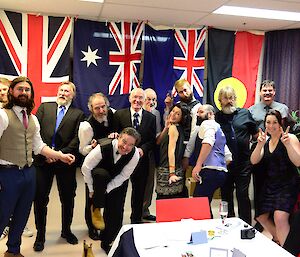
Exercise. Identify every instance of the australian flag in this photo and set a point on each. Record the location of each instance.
(107, 59)
(171, 55)
(37, 47)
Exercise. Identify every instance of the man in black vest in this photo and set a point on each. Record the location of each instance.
(98, 125)
(105, 169)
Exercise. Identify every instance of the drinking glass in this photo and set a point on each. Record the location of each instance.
(223, 211)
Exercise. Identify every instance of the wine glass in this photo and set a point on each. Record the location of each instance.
(223, 211)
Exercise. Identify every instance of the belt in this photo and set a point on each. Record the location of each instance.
(11, 166)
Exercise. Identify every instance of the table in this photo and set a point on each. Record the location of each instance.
(171, 239)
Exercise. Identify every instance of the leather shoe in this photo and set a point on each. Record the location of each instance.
(38, 246)
(7, 254)
(70, 237)
(93, 234)
(97, 218)
(106, 247)
(150, 218)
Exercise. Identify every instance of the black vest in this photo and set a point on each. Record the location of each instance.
(99, 129)
(107, 161)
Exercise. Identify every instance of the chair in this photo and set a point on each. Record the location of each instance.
(176, 209)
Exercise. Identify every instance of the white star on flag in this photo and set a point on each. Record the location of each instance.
(90, 56)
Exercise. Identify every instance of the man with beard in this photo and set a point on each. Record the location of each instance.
(144, 122)
(238, 127)
(98, 125)
(59, 129)
(150, 106)
(258, 112)
(210, 169)
(185, 93)
(4, 84)
(19, 136)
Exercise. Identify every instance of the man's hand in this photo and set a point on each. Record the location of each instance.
(51, 160)
(91, 194)
(67, 158)
(94, 143)
(195, 173)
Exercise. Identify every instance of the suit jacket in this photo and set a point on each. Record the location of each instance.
(66, 138)
(147, 128)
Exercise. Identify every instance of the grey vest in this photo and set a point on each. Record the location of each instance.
(16, 141)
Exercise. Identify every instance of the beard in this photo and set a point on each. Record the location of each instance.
(22, 101)
(187, 99)
(200, 120)
(228, 109)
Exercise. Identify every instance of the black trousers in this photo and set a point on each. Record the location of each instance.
(66, 184)
(113, 213)
(239, 178)
(139, 181)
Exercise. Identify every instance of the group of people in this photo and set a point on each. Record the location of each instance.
(112, 147)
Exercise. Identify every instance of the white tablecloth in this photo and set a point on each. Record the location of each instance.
(172, 239)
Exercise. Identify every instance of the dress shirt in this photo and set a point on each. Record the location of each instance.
(258, 111)
(140, 112)
(37, 142)
(67, 106)
(210, 139)
(85, 135)
(95, 156)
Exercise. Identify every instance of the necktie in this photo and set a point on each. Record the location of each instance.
(60, 116)
(267, 108)
(25, 121)
(136, 120)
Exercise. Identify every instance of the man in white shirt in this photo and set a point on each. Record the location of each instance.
(19, 136)
(4, 84)
(98, 125)
(105, 169)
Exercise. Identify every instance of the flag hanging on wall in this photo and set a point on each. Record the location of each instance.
(171, 55)
(37, 47)
(233, 54)
(107, 59)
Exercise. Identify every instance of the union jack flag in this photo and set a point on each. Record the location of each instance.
(127, 40)
(37, 47)
(189, 60)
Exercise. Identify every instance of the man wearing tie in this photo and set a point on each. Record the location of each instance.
(59, 129)
(144, 122)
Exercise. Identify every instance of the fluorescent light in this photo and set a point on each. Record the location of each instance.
(258, 13)
(94, 1)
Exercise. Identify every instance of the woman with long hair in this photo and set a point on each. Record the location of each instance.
(279, 154)
(170, 177)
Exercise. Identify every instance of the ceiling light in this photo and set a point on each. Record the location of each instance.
(94, 1)
(258, 13)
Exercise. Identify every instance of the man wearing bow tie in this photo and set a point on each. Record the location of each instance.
(144, 122)
(98, 125)
(59, 129)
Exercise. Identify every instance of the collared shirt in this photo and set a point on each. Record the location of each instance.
(258, 111)
(95, 156)
(209, 138)
(37, 142)
(140, 112)
(67, 106)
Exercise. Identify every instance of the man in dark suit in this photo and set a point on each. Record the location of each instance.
(59, 129)
(144, 122)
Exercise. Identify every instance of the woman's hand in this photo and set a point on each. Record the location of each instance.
(262, 137)
(285, 138)
(173, 178)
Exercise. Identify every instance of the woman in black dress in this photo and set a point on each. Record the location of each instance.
(279, 154)
(170, 176)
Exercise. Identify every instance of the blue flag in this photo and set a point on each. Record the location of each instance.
(107, 59)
